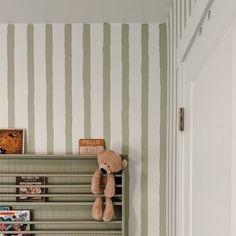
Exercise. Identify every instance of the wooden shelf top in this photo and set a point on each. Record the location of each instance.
(49, 157)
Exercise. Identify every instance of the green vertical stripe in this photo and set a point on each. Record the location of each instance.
(163, 126)
(176, 22)
(11, 74)
(30, 63)
(86, 81)
(106, 83)
(125, 88)
(185, 13)
(68, 88)
(125, 108)
(49, 93)
(144, 130)
(190, 7)
(180, 18)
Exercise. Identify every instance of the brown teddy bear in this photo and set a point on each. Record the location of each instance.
(103, 181)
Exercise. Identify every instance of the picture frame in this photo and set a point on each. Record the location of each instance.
(12, 141)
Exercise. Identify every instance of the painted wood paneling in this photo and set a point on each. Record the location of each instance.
(185, 18)
(183, 24)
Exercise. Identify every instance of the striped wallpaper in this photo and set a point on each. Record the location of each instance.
(65, 82)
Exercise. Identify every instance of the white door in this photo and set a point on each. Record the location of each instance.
(205, 147)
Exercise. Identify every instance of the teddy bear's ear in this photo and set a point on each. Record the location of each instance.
(124, 164)
(100, 151)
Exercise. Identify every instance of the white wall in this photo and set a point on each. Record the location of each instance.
(79, 11)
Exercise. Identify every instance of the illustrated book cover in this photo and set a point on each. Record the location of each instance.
(30, 190)
(5, 208)
(15, 216)
(12, 141)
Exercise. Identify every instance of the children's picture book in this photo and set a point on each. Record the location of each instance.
(30, 190)
(12, 141)
(5, 208)
(15, 216)
(91, 146)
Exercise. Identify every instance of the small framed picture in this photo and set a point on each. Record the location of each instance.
(12, 141)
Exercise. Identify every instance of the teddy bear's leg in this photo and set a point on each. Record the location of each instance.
(97, 209)
(109, 210)
(110, 186)
(96, 179)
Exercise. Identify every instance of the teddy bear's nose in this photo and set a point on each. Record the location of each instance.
(103, 171)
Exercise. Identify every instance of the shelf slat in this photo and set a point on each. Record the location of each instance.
(50, 222)
(53, 203)
(63, 232)
(78, 166)
(51, 157)
(54, 195)
(51, 186)
(47, 157)
(50, 175)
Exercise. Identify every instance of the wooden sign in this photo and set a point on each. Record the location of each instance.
(91, 146)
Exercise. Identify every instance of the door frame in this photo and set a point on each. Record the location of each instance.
(233, 170)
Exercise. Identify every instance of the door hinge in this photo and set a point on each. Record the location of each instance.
(181, 119)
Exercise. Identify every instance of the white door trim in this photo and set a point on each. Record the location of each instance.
(200, 10)
(233, 176)
(179, 157)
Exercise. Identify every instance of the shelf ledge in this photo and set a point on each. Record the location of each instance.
(52, 186)
(64, 232)
(61, 222)
(50, 157)
(51, 174)
(54, 203)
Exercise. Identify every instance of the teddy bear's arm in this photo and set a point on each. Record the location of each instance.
(110, 186)
(96, 180)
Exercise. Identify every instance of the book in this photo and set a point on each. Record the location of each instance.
(91, 146)
(30, 190)
(14, 216)
(12, 141)
(5, 208)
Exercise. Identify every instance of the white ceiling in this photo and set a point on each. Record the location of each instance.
(71, 11)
